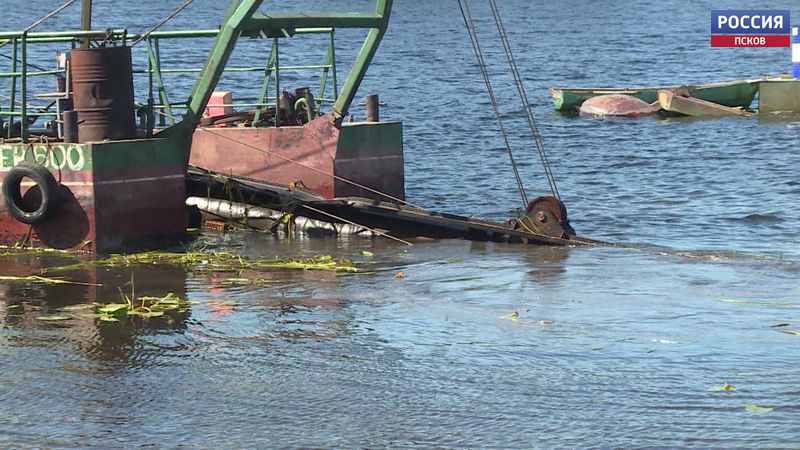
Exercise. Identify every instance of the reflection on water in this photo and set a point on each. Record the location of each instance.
(28, 305)
(593, 353)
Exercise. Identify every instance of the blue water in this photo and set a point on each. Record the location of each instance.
(613, 347)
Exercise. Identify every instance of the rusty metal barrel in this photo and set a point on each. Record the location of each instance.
(102, 85)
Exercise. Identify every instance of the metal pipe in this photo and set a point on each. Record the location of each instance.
(13, 98)
(70, 126)
(277, 80)
(373, 108)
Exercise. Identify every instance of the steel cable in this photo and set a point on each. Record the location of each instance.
(537, 138)
(163, 21)
(43, 19)
(34, 25)
(468, 22)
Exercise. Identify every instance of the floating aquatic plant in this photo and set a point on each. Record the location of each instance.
(216, 261)
(144, 307)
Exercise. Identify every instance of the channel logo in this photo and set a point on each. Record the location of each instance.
(750, 28)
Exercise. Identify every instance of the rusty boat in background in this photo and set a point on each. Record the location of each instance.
(87, 177)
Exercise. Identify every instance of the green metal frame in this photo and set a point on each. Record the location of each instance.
(276, 27)
(158, 97)
(241, 20)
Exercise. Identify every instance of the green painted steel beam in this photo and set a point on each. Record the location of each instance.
(218, 57)
(262, 96)
(214, 32)
(277, 25)
(154, 59)
(362, 62)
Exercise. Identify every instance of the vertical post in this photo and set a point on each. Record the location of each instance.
(86, 20)
(162, 91)
(13, 97)
(383, 8)
(333, 66)
(70, 125)
(373, 108)
(329, 67)
(262, 94)
(277, 83)
(150, 99)
(23, 90)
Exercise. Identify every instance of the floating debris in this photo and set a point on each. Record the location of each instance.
(399, 276)
(756, 302)
(723, 387)
(793, 333)
(755, 409)
(367, 254)
(44, 280)
(53, 318)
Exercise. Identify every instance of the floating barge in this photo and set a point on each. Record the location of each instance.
(89, 179)
(97, 192)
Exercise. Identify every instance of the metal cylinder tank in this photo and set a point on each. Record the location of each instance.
(102, 85)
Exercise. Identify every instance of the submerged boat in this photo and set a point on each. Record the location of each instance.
(289, 207)
(674, 102)
(616, 105)
(738, 93)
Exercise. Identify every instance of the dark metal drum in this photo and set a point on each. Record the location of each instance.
(102, 83)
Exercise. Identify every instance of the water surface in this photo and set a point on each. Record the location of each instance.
(613, 347)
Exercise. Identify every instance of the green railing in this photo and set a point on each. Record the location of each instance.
(159, 104)
(17, 113)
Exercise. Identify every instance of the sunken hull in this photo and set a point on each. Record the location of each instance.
(113, 196)
(320, 154)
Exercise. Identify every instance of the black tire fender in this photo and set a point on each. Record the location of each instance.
(12, 192)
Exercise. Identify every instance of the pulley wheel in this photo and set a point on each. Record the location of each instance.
(546, 216)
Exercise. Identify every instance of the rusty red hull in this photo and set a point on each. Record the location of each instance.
(111, 197)
(331, 160)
